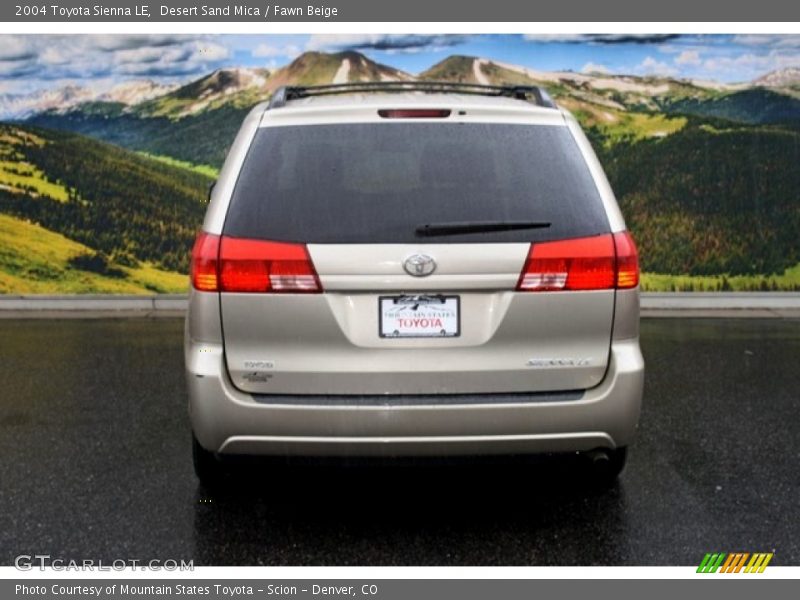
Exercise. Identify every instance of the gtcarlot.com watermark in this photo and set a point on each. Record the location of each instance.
(29, 562)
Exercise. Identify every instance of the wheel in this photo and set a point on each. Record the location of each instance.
(606, 464)
(208, 467)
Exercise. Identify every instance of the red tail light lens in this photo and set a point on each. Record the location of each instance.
(599, 262)
(577, 264)
(414, 113)
(627, 261)
(258, 266)
(204, 262)
(239, 265)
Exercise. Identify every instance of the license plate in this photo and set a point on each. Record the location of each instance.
(419, 316)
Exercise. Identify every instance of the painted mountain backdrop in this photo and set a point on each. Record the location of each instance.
(103, 192)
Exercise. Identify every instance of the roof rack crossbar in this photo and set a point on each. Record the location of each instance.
(521, 92)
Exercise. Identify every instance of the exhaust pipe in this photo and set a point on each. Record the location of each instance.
(605, 464)
(600, 458)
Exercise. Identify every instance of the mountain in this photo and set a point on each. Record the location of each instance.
(463, 69)
(127, 221)
(243, 88)
(615, 108)
(706, 172)
(197, 122)
(619, 91)
(781, 78)
(66, 98)
(235, 90)
(134, 92)
(319, 68)
(20, 106)
(768, 99)
(239, 87)
(621, 104)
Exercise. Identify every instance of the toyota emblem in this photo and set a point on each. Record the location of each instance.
(419, 265)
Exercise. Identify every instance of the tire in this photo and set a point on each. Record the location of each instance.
(208, 467)
(606, 465)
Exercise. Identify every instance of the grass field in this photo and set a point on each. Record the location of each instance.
(20, 176)
(24, 177)
(617, 125)
(206, 170)
(787, 281)
(34, 260)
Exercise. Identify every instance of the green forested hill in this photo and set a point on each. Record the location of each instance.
(130, 211)
(754, 106)
(703, 200)
(708, 201)
(707, 176)
(201, 139)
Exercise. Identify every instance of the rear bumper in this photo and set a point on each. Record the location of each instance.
(228, 421)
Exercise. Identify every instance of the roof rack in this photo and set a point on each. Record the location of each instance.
(528, 93)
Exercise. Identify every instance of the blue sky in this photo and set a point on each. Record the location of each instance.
(32, 62)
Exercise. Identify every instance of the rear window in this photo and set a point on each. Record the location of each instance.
(378, 182)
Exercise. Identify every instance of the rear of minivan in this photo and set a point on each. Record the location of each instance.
(412, 274)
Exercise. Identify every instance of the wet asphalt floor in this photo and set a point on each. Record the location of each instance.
(96, 464)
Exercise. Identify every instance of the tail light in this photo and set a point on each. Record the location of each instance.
(204, 262)
(627, 261)
(599, 262)
(228, 264)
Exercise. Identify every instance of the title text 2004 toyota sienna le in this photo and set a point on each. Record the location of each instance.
(412, 269)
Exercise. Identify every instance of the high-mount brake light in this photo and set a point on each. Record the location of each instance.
(229, 264)
(600, 262)
(414, 113)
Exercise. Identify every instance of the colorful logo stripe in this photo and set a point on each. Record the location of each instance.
(735, 562)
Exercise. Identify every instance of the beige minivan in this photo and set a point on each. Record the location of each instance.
(412, 269)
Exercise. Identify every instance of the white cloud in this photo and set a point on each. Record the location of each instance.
(51, 56)
(752, 39)
(769, 41)
(14, 48)
(194, 56)
(212, 51)
(601, 38)
(745, 67)
(651, 66)
(149, 54)
(268, 51)
(17, 68)
(17, 56)
(591, 67)
(407, 43)
(688, 57)
(555, 37)
(91, 57)
(112, 43)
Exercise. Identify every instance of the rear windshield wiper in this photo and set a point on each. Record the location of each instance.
(456, 227)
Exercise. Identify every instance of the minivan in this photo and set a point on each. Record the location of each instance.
(412, 269)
